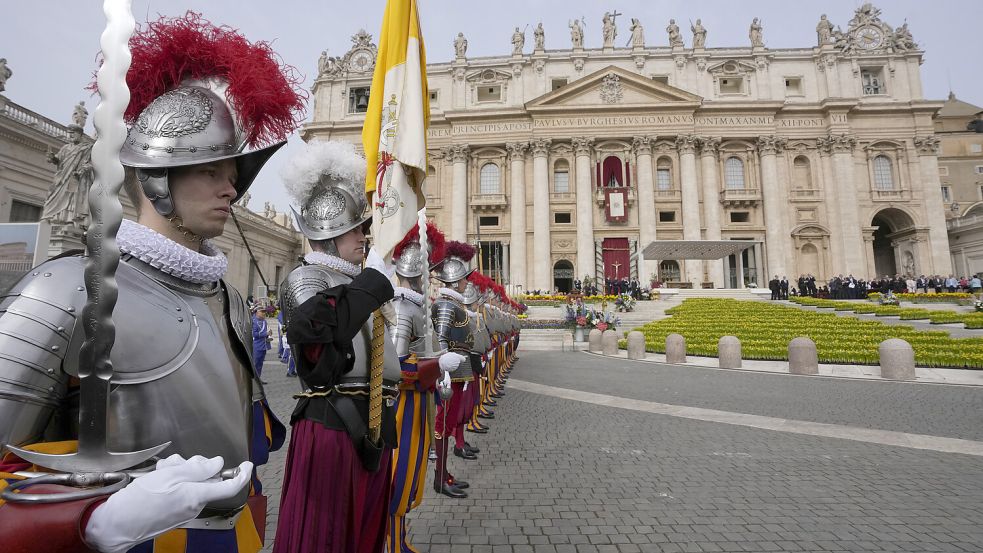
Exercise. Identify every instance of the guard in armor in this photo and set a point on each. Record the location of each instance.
(337, 481)
(419, 379)
(474, 300)
(454, 327)
(182, 358)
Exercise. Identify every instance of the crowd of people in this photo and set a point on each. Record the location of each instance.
(850, 288)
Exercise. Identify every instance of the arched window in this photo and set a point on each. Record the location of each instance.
(490, 181)
(663, 174)
(883, 176)
(801, 173)
(561, 176)
(734, 173)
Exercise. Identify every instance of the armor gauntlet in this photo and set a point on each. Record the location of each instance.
(37, 320)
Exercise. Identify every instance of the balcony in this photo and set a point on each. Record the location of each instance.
(740, 197)
(488, 202)
(889, 195)
(670, 195)
(805, 194)
(600, 196)
(562, 197)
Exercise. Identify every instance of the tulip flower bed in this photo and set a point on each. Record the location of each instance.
(962, 298)
(970, 320)
(766, 329)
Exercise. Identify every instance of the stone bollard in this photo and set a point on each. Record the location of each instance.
(675, 348)
(897, 359)
(729, 352)
(802, 356)
(636, 345)
(594, 341)
(609, 342)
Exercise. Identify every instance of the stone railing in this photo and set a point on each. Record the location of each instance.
(740, 196)
(670, 195)
(888, 195)
(28, 118)
(805, 194)
(488, 202)
(562, 196)
(960, 222)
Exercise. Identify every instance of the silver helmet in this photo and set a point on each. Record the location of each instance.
(326, 179)
(453, 269)
(189, 125)
(409, 264)
(471, 294)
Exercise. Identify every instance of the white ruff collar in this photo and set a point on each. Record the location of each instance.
(411, 295)
(168, 256)
(453, 294)
(333, 262)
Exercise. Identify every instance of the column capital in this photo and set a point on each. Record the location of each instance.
(836, 143)
(771, 145)
(540, 147)
(927, 145)
(709, 145)
(458, 153)
(642, 145)
(686, 144)
(516, 150)
(582, 145)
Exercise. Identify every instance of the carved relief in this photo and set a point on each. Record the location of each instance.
(686, 144)
(540, 147)
(927, 145)
(611, 91)
(770, 145)
(458, 154)
(517, 150)
(642, 145)
(836, 143)
(709, 145)
(582, 145)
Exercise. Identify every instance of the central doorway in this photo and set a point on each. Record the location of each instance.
(563, 276)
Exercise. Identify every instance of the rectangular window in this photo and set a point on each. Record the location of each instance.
(667, 216)
(358, 99)
(664, 79)
(21, 212)
(873, 81)
(740, 217)
(946, 194)
(976, 148)
(979, 169)
(981, 192)
(557, 83)
(488, 221)
(434, 95)
(561, 182)
(663, 179)
(562, 218)
(943, 171)
(732, 85)
(489, 93)
(793, 86)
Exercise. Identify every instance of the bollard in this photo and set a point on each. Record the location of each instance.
(897, 359)
(729, 352)
(802, 356)
(675, 348)
(636, 345)
(594, 341)
(609, 342)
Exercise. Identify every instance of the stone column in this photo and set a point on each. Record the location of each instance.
(846, 195)
(709, 148)
(506, 265)
(691, 203)
(768, 149)
(869, 251)
(740, 269)
(928, 161)
(459, 206)
(646, 202)
(517, 209)
(541, 214)
(585, 207)
(831, 195)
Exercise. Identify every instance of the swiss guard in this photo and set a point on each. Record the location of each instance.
(207, 110)
(337, 481)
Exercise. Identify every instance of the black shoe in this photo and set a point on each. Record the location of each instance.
(464, 454)
(490, 403)
(488, 415)
(472, 449)
(459, 484)
(449, 490)
(498, 395)
(477, 429)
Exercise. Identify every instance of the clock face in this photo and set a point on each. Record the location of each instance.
(361, 61)
(869, 38)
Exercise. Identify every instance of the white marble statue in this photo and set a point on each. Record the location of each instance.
(675, 37)
(80, 115)
(824, 31)
(460, 45)
(609, 29)
(637, 34)
(518, 42)
(756, 33)
(576, 34)
(5, 74)
(540, 37)
(699, 34)
(67, 201)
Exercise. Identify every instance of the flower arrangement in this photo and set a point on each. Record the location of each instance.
(625, 303)
(889, 299)
(580, 315)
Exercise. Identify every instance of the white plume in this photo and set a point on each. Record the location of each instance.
(334, 159)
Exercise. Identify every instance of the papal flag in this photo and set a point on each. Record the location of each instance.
(395, 133)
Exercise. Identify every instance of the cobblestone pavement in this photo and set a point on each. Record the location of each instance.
(557, 475)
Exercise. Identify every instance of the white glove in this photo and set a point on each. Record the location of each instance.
(450, 361)
(446, 382)
(164, 499)
(375, 261)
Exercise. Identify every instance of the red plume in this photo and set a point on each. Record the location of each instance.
(435, 241)
(460, 250)
(265, 93)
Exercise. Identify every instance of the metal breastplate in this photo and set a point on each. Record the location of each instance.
(411, 325)
(306, 281)
(455, 332)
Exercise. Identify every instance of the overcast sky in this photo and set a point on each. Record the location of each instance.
(51, 45)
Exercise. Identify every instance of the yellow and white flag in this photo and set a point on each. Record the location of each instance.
(395, 133)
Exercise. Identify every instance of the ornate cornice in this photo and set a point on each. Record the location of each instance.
(582, 145)
(927, 145)
(771, 145)
(686, 144)
(517, 150)
(836, 143)
(540, 147)
(642, 145)
(709, 145)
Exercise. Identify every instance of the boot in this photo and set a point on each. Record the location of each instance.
(441, 478)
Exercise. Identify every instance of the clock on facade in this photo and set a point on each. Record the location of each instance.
(869, 38)
(361, 61)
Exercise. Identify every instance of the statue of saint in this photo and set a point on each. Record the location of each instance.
(540, 36)
(699, 34)
(244, 200)
(824, 31)
(610, 30)
(903, 41)
(518, 42)
(576, 34)
(5, 74)
(637, 34)
(675, 38)
(460, 45)
(756, 33)
(80, 115)
(327, 65)
(68, 200)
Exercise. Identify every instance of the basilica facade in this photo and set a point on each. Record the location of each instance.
(566, 162)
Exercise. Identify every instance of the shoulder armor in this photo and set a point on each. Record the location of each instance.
(303, 283)
(411, 325)
(240, 319)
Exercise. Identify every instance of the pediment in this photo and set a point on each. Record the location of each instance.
(732, 67)
(613, 87)
(489, 75)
